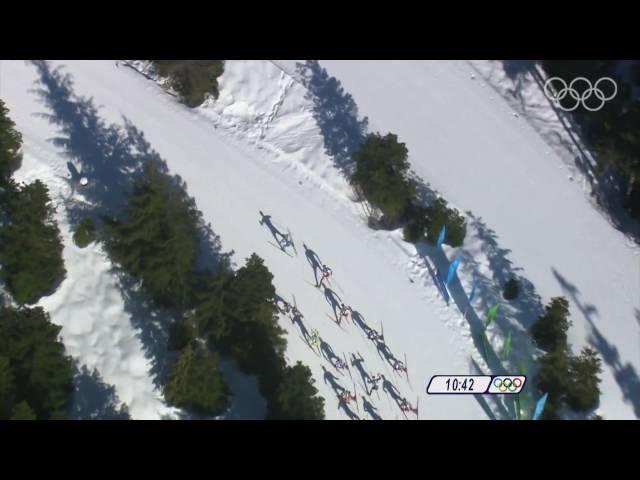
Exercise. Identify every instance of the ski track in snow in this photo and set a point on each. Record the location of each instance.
(264, 113)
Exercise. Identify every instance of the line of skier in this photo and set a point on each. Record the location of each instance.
(378, 339)
(342, 313)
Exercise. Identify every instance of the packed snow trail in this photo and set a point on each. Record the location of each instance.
(232, 180)
(463, 138)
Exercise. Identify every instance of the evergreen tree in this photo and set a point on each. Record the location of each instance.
(23, 411)
(250, 315)
(438, 214)
(208, 316)
(553, 378)
(414, 230)
(196, 383)
(550, 330)
(236, 312)
(85, 233)
(614, 130)
(41, 372)
(381, 175)
(296, 397)
(30, 245)
(584, 371)
(7, 387)
(10, 145)
(183, 333)
(158, 240)
(192, 79)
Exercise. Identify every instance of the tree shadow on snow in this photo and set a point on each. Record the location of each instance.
(93, 399)
(515, 316)
(246, 402)
(111, 156)
(607, 186)
(625, 375)
(151, 323)
(499, 410)
(517, 71)
(528, 304)
(335, 112)
(459, 297)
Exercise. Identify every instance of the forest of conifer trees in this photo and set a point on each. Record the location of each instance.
(226, 312)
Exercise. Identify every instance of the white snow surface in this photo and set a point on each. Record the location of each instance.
(270, 142)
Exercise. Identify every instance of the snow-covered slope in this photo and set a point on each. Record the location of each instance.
(464, 138)
(276, 140)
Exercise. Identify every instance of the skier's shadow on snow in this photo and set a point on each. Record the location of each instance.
(332, 380)
(391, 390)
(297, 320)
(111, 156)
(266, 220)
(370, 409)
(338, 389)
(94, 399)
(625, 375)
(278, 299)
(314, 261)
(334, 301)
(358, 363)
(385, 353)
(335, 112)
(347, 410)
(359, 321)
(327, 352)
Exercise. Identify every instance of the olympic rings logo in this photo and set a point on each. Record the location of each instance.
(507, 385)
(556, 95)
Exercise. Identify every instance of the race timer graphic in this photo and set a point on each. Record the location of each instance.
(476, 384)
